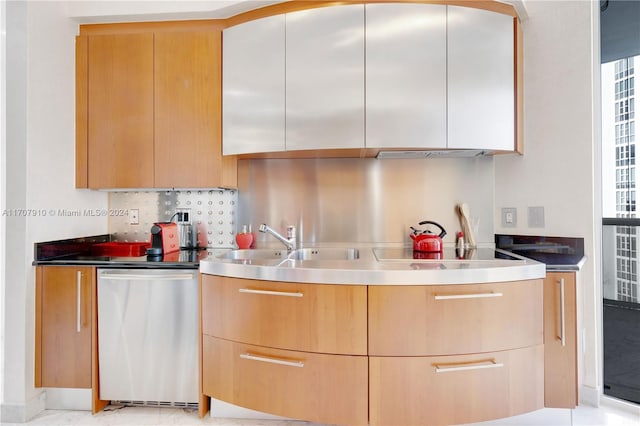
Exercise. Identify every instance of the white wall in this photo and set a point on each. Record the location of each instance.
(14, 276)
(3, 165)
(39, 175)
(561, 129)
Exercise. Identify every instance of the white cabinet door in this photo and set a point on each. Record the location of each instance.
(481, 95)
(406, 76)
(325, 78)
(253, 86)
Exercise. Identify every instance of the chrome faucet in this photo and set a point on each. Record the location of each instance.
(289, 242)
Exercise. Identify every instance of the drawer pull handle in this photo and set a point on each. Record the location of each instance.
(467, 296)
(480, 365)
(78, 301)
(298, 364)
(271, 293)
(562, 313)
(147, 277)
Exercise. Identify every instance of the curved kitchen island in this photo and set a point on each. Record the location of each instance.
(372, 335)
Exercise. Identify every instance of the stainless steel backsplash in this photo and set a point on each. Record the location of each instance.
(328, 200)
(364, 200)
(213, 213)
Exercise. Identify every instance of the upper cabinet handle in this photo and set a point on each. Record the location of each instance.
(467, 296)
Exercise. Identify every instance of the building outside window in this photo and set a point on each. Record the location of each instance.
(621, 302)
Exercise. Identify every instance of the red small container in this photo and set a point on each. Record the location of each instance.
(120, 249)
(244, 240)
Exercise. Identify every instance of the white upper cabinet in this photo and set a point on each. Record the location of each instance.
(481, 94)
(253, 88)
(325, 78)
(409, 76)
(406, 76)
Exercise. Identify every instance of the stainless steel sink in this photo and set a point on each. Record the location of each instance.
(255, 254)
(326, 253)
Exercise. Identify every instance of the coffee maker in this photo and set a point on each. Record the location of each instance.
(164, 239)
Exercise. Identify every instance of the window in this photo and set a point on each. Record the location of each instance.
(620, 241)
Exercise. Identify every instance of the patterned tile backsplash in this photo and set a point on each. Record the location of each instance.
(212, 213)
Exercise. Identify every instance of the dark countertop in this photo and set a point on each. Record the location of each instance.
(78, 252)
(557, 253)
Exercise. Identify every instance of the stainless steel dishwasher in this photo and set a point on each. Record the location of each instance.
(148, 336)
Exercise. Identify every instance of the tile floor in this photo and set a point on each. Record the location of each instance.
(584, 415)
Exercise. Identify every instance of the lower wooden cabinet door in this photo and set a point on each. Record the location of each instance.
(560, 340)
(455, 389)
(301, 385)
(64, 326)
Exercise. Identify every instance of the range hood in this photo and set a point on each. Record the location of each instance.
(445, 153)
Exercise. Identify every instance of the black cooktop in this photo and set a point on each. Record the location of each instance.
(558, 253)
(448, 253)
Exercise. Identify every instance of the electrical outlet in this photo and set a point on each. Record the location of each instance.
(536, 217)
(509, 217)
(134, 216)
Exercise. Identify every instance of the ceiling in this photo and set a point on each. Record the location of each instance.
(619, 19)
(619, 29)
(108, 11)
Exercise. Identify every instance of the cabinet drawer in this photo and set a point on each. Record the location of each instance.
(455, 389)
(286, 383)
(454, 319)
(304, 317)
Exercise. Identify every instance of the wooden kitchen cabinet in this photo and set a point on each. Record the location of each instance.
(188, 105)
(119, 111)
(63, 317)
(560, 340)
(281, 347)
(440, 354)
(66, 354)
(455, 389)
(149, 107)
(322, 388)
(454, 319)
(295, 316)
(453, 354)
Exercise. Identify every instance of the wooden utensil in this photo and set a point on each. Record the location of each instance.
(463, 212)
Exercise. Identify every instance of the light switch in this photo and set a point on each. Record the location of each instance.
(509, 217)
(536, 217)
(134, 216)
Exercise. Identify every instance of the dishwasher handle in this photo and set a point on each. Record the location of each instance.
(146, 277)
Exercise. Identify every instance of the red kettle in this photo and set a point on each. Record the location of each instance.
(426, 241)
